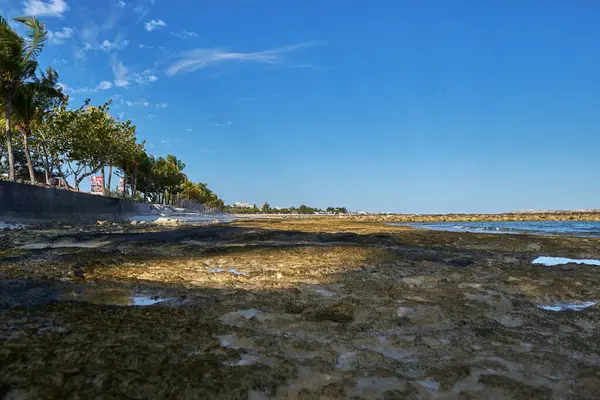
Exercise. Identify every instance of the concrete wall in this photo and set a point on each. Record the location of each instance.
(35, 201)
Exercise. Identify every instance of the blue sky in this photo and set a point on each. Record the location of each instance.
(404, 106)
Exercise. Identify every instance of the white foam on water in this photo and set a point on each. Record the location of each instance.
(568, 306)
(552, 261)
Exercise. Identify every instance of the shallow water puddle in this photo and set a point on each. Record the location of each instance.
(430, 385)
(113, 296)
(237, 318)
(236, 272)
(568, 306)
(325, 293)
(552, 261)
(10, 225)
(245, 359)
(376, 387)
(146, 300)
(67, 243)
(231, 270)
(346, 361)
(321, 290)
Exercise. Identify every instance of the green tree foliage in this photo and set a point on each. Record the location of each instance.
(31, 104)
(200, 193)
(267, 209)
(87, 139)
(18, 63)
(337, 210)
(74, 143)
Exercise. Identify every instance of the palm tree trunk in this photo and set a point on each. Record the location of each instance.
(28, 156)
(9, 146)
(109, 177)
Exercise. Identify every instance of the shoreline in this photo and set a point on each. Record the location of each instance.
(591, 216)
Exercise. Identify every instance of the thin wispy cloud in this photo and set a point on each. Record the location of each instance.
(107, 45)
(123, 77)
(162, 105)
(104, 85)
(122, 4)
(79, 54)
(120, 73)
(203, 58)
(50, 8)
(59, 37)
(155, 23)
(188, 130)
(144, 79)
(138, 10)
(137, 103)
(184, 34)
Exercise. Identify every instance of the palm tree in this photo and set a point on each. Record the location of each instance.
(32, 101)
(178, 177)
(17, 65)
(171, 159)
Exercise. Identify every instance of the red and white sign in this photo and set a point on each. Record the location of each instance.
(96, 180)
(97, 184)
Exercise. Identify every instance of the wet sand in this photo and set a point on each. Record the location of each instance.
(319, 308)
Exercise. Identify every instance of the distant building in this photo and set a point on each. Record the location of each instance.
(240, 204)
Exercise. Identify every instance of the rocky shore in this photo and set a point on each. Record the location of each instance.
(313, 308)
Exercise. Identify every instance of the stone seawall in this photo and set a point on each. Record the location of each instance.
(23, 200)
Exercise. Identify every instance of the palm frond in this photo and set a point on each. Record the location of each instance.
(11, 43)
(37, 36)
(28, 69)
(24, 104)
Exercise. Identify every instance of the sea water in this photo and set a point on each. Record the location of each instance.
(564, 228)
